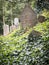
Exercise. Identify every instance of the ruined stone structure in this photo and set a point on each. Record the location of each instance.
(5, 29)
(28, 17)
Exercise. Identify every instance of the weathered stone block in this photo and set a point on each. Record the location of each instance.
(12, 28)
(41, 19)
(5, 29)
(28, 17)
(34, 36)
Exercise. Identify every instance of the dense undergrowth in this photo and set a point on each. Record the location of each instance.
(15, 48)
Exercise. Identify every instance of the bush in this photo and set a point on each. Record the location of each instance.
(17, 49)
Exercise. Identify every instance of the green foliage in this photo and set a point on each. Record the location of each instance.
(1, 23)
(42, 27)
(45, 13)
(16, 48)
(42, 4)
(13, 8)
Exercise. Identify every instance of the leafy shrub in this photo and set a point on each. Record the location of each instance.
(16, 49)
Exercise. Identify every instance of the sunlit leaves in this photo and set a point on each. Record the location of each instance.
(15, 48)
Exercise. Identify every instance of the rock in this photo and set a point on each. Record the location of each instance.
(41, 18)
(34, 36)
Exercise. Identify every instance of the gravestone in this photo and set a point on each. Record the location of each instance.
(16, 22)
(34, 36)
(28, 17)
(5, 29)
(12, 28)
(15, 25)
(41, 19)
